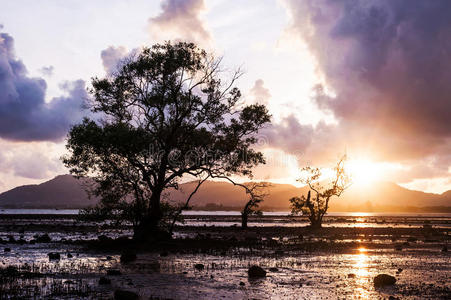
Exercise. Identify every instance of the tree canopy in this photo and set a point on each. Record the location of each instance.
(167, 113)
(315, 206)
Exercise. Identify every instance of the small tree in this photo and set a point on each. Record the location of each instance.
(257, 192)
(317, 205)
(167, 113)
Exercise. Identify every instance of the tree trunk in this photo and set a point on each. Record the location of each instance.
(149, 228)
(316, 222)
(244, 218)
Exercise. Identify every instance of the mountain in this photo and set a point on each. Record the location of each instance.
(67, 192)
(214, 193)
(381, 196)
(64, 191)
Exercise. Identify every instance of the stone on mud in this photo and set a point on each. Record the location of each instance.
(383, 280)
(256, 272)
(45, 238)
(54, 256)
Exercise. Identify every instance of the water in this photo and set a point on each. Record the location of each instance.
(232, 213)
(355, 243)
(8, 211)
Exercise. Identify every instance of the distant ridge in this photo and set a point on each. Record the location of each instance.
(65, 191)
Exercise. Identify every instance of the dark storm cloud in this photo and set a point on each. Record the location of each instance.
(389, 64)
(24, 114)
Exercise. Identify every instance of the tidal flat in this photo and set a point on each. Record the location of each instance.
(209, 258)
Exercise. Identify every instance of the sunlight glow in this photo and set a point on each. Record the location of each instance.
(364, 172)
(361, 266)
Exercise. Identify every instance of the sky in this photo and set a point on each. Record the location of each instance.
(369, 78)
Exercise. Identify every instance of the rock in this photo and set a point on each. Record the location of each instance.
(69, 255)
(351, 275)
(398, 247)
(273, 270)
(399, 270)
(256, 272)
(125, 295)
(242, 283)
(7, 249)
(128, 256)
(383, 280)
(104, 280)
(54, 256)
(445, 248)
(45, 238)
(199, 267)
(113, 272)
(109, 258)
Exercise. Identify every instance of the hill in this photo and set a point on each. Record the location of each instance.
(64, 191)
(67, 192)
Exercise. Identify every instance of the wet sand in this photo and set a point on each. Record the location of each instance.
(300, 263)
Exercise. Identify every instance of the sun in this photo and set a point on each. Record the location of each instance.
(364, 172)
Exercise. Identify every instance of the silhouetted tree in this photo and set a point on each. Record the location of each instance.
(317, 205)
(257, 191)
(167, 113)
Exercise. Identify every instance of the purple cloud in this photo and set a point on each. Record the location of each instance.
(388, 62)
(24, 114)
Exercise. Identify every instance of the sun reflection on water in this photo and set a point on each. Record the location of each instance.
(360, 266)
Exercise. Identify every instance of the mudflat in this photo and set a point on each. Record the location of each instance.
(209, 258)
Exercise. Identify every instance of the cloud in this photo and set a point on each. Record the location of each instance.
(36, 160)
(181, 20)
(389, 65)
(259, 93)
(47, 70)
(289, 135)
(24, 114)
(112, 56)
